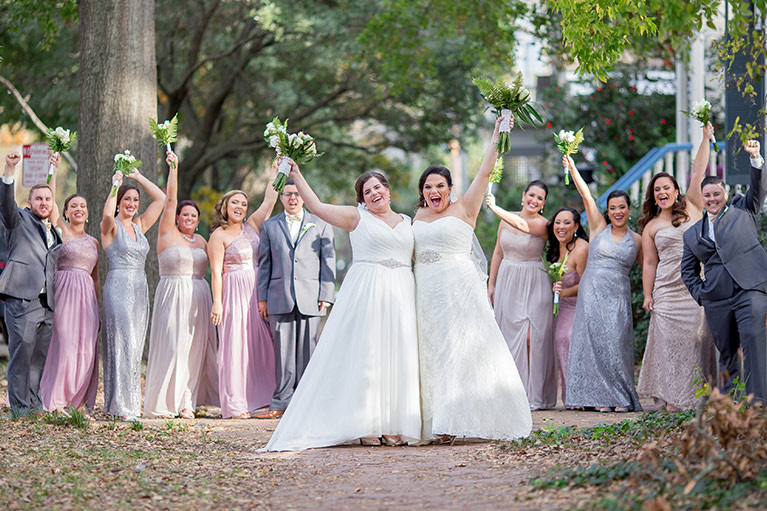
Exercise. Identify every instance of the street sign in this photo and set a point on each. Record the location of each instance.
(35, 164)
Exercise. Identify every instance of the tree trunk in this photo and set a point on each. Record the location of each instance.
(118, 93)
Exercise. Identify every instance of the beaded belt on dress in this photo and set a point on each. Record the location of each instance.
(389, 263)
(432, 256)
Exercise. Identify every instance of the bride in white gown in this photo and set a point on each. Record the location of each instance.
(470, 386)
(362, 380)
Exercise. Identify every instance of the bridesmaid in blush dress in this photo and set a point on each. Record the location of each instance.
(71, 373)
(521, 294)
(246, 352)
(679, 344)
(126, 296)
(566, 237)
(181, 372)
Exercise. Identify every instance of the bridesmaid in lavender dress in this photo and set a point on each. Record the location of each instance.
(71, 373)
(126, 296)
(521, 294)
(566, 237)
(181, 372)
(679, 344)
(245, 353)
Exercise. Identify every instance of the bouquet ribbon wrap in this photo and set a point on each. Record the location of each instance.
(50, 170)
(505, 126)
(284, 167)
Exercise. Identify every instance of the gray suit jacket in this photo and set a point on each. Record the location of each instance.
(30, 265)
(299, 274)
(736, 256)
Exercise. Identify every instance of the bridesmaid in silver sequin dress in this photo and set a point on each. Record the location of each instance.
(601, 361)
(126, 297)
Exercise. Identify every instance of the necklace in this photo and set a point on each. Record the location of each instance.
(187, 238)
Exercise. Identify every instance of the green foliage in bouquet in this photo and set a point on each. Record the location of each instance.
(125, 163)
(166, 132)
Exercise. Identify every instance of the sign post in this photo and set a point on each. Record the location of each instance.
(34, 164)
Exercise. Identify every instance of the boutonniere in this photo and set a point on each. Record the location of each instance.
(306, 228)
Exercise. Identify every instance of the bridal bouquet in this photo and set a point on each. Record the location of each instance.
(166, 132)
(567, 144)
(298, 147)
(496, 174)
(555, 272)
(125, 163)
(508, 99)
(701, 112)
(59, 141)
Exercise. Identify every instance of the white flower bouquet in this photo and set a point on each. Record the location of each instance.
(567, 144)
(496, 174)
(555, 272)
(298, 147)
(701, 112)
(166, 132)
(59, 140)
(508, 99)
(125, 163)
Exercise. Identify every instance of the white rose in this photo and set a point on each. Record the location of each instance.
(569, 137)
(118, 156)
(292, 139)
(127, 153)
(561, 134)
(274, 141)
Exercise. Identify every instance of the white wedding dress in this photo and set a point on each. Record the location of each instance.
(362, 379)
(470, 386)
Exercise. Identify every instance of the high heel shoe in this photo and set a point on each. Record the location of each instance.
(370, 441)
(393, 440)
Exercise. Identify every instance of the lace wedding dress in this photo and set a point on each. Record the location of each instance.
(470, 386)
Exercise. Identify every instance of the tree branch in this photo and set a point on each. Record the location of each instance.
(35, 119)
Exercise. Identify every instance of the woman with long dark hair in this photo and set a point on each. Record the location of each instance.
(566, 238)
(600, 367)
(678, 340)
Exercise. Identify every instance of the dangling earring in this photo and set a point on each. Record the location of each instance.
(542, 209)
(197, 228)
(86, 220)
(575, 235)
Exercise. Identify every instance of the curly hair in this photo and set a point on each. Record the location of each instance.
(220, 216)
(650, 209)
(552, 249)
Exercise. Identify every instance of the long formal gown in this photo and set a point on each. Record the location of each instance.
(362, 379)
(71, 373)
(182, 339)
(678, 340)
(470, 386)
(246, 352)
(600, 369)
(523, 308)
(125, 316)
(564, 327)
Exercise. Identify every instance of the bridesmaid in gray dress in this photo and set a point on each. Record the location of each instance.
(126, 297)
(601, 362)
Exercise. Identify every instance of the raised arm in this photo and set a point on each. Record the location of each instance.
(8, 209)
(475, 194)
(108, 225)
(757, 189)
(344, 217)
(264, 211)
(216, 255)
(150, 215)
(650, 266)
(694, 196)
(55, 217)
(536, 227)
(168, 218)
(596, 220)
(495, 263)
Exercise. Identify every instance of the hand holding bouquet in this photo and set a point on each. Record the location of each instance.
(59, 141)
(701, 112)
(555, 272)
(298, 147)
(166, 132)
(125, 163)
(507, 100)
(567, 144)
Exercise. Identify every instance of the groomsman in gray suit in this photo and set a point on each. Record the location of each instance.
(734, 293)
(296, 284)
(26, 285)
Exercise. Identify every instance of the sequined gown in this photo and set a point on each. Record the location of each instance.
(679, 343)
(125, 315)
(181, 372)
(470, 386)
(362, 379)
(600, 368)
(71, 373)
(523, 306)
(564, 326)
(246, 351)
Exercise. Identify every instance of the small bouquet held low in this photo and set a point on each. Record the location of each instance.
(298, 147)
(567, 144)
(125, 163)
(496, 174)
(555, 272)
(506, 100)
(59, 140)
(166, 132)
(701, 112)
